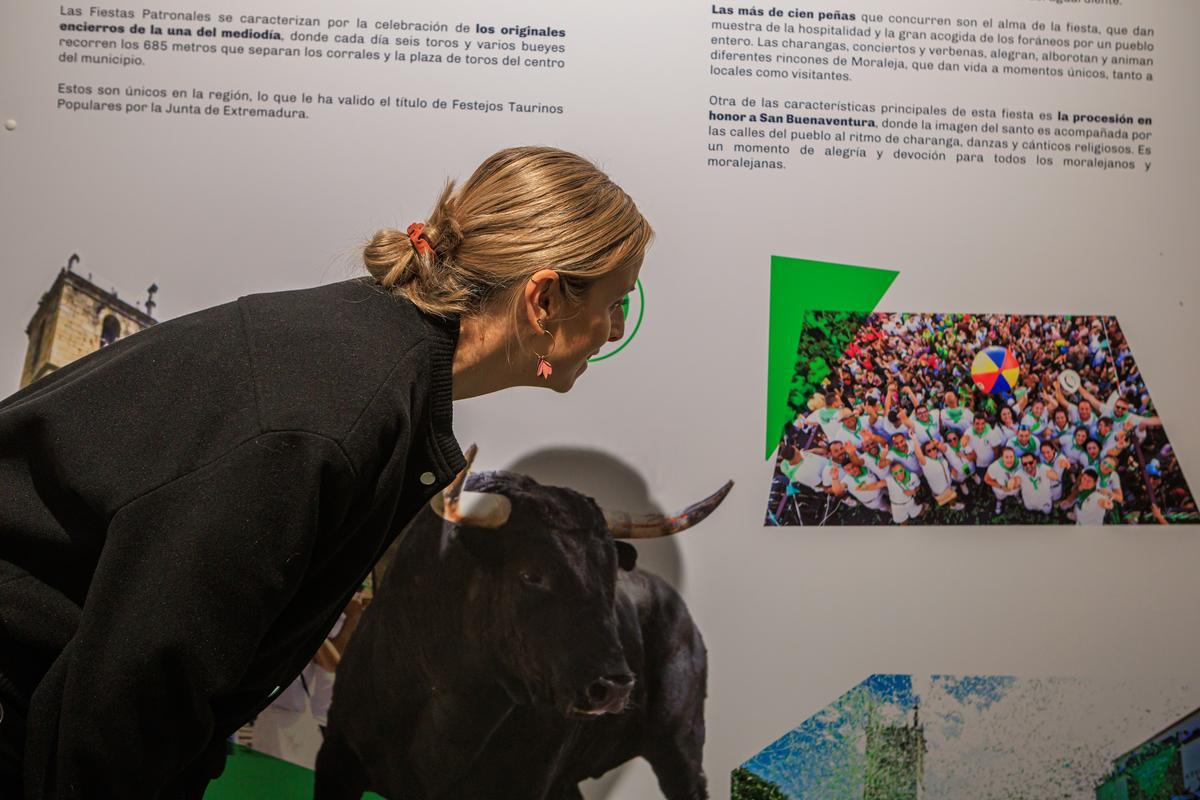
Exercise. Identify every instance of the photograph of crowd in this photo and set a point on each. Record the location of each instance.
(898, 429)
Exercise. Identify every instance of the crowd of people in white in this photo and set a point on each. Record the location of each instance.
(900, 427)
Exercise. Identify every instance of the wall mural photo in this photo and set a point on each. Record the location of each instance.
(972, 419)
(987, 737)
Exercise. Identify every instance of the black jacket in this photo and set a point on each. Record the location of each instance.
(186, 512)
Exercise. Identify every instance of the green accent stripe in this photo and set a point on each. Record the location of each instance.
(253, 776)
(797, 286)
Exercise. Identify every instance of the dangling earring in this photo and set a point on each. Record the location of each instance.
(544, 368)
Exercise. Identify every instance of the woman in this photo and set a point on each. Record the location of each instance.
(188, 510)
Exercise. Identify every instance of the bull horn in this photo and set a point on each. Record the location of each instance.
(651, 526)
(476, 509)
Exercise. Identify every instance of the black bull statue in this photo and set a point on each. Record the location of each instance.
(514, 650)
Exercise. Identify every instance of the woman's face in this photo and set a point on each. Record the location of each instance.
(587, 326)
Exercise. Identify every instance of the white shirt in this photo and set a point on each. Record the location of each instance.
(908, 459)
(1004, 433)
(1063, 435)
(938, 473)
(807, 472)
(924, 431)
(1089, 512)
(884, 427)
(959, 419)
(1018, 448)
(1002, 476)
(871, 498)
(1136, 419)
(1035, 423)
(1090, 424)
(828, 419)
(1078, 455)
(961, 466)
(1037, 490)
(844, 434)
(983, 446)
(896, 489)
(1059, 465)
(1111, 482)
(873, 465)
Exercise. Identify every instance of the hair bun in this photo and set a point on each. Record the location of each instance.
(521, 208)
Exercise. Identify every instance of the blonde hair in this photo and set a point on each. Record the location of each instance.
(523, 209)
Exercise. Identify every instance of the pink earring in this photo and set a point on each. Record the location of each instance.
(544, 368)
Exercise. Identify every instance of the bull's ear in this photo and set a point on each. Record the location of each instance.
(626, 555)
(483, 543)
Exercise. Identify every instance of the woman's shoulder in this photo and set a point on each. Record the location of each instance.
(333, 357)
(356, 306)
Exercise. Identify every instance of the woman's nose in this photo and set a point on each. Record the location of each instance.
(617, 329)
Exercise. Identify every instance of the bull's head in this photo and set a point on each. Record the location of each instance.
(543, 593)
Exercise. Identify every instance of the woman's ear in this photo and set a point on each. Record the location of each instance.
(541, 298)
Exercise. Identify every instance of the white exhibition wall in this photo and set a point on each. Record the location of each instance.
(214, 206)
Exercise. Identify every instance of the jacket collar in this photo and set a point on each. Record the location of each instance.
(443, 339)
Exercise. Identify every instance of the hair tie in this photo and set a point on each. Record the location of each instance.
(416, 235)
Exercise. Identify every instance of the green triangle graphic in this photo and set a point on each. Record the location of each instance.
(799, 286)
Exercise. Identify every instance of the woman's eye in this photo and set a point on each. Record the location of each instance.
(533, 579)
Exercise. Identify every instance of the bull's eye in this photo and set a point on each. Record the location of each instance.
(533, 579)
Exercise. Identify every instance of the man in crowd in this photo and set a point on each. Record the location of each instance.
(1002, 477)
(864, 487)
(938, 472)
(1036, 484)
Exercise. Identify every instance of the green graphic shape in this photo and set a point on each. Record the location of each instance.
(250, 775)
(641, 313)
(797, 286)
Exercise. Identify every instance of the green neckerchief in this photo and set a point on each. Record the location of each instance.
(1031, 448)
(860, 480)
(1104, 480)
(907, 475)
(789, 469)
(955, 413)
(987, 431)
(926, 425)
(1016, 465)
(1083, 495)
(857, 424)
(966, 462)
(1034, 479)
(1119, 421)
(827, 414)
